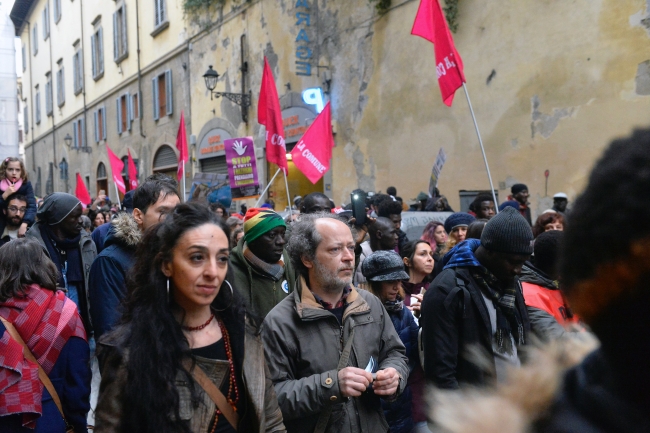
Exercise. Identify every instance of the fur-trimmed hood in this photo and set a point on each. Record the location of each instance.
(516, 405)
(124, 231)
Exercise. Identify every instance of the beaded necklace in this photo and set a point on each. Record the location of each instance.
(198, 328)
(233, 389)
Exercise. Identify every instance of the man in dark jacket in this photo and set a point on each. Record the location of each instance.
(326, 343)
(476, 301)
(263, 273)
(60, 233)
(519, 193)
(152, 200)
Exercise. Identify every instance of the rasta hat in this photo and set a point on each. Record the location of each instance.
(383, 266)
(458, 219)
(508, 232)
(517, 188)
(259, 221)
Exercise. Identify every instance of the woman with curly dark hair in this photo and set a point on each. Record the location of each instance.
(183, 339)
(548, 221)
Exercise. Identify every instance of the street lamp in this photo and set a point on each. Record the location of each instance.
(242, 99)
(68, 140)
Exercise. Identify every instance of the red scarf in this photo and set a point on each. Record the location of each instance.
(45, 320)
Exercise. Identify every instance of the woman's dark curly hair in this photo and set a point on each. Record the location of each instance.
(546, 218)
(153, 337)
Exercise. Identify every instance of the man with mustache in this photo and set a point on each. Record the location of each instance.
(263, 273)
(14, 212)
(332, 351)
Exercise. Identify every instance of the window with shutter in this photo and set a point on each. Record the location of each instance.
(49, 109)
(35, 40)
(57, 11)
(93, 55)
(120, 42)
(25, 120)
(135, 106)
(116, 37)
(96, 115)
(60, 86)
(37, 105)
(124, 113)
(77, 72)
(97, 47)
(156, 108)
(24, 59)
(103, 119)
(160, 13)
(100, 39)
(169, 91)
(126, 104)
(82, 128)
(119, 115)
(46, 21)
(75, 135)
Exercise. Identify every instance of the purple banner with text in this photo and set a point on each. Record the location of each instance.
(242, 167)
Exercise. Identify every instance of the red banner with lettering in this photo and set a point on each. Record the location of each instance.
(313, 152)
(181, 145)
(269, 114)
(133, 173)
(81, 192)
(431, 25)
(116, 170)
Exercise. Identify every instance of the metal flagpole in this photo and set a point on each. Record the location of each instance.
(267, 187)
(480, 141)
(183, 182)
(117, 195)
(286, 184)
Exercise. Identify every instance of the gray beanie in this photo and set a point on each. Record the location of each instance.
(508, 232)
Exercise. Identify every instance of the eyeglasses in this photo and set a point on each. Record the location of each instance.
(17, 209)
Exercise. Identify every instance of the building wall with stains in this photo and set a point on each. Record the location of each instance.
(551, 84)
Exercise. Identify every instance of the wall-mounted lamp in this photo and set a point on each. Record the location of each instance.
(242, 99)
(68, 140)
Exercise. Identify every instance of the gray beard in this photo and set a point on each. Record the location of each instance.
(329, 282)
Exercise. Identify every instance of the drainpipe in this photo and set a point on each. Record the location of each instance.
(140, 103)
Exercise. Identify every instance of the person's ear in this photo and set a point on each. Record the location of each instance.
(406, 262)
(138, 216)
(166, 269)
(309, 264)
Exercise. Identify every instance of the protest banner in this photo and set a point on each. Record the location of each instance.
(435, 171)
(242, 167)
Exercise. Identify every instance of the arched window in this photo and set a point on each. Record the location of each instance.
(165, 161)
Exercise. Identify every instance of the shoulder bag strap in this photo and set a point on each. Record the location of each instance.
(41, 373)
(324, 416)
(213, 392)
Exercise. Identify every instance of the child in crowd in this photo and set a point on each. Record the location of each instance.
(13, 179)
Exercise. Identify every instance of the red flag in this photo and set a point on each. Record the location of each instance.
(270, 115)
(313, 152)
(181, 145)
(133, 173)
(431, 25)
(116, 168)
(81, 192)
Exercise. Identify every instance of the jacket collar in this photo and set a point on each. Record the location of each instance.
(124, 230)
(309, 309)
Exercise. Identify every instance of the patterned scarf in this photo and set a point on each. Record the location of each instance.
(509, 322)
(394, 306)
(273, 270)
(45, 320)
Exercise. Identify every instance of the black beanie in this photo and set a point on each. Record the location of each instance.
(547, 247)
(517, 188)
(508, 232)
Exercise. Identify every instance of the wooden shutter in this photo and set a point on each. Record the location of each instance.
(94, 54)
(96, 115)
(75, 134)
(124, 41)
(116, 38)
(169, 90)
(119, 116)
(100, 36)
(129, 111)
(156, 107)
(104, 128)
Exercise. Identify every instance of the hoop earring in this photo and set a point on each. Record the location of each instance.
(167, 288)
(232, 296)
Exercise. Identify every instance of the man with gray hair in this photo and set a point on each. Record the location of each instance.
(332, 351)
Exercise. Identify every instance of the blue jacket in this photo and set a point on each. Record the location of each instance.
(399, 412)
(99, 236)
(71, 379)
(30, 215)
(106, 285)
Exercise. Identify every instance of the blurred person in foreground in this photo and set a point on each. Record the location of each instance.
(183, 338)
(32, 310)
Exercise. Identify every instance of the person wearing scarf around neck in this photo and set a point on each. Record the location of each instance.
(477, 301)
(59, 230)
(384, 270)
(263, 272)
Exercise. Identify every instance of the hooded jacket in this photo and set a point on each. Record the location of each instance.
(260, 291)
(547, 309)
(107, 285)
(88, 254)
(303, 343)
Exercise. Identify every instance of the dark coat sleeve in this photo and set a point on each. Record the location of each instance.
(106, 287)
(440, 336)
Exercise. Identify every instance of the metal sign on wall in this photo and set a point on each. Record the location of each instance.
(212, 143)
(296, 120)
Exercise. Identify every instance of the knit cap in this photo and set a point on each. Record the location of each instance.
(259, 221)
(508, 232)
(458, 219)
(383, 266)
(517, 188)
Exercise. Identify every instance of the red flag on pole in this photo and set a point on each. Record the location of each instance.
(431, 25)
(181, 145)
(116, 168)
(81, 192)
(270, 115)
(133, 173)
(313, 152)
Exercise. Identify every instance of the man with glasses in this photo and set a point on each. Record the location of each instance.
(13, 213)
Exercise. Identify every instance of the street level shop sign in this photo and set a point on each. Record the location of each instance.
(212, 143)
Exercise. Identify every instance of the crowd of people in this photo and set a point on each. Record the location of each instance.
(205, 321)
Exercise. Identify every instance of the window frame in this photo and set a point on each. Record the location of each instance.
(100, 124)
(46, 21)
(169, 95)
(49, 103)
(160, 17)
(77, 71)
(37, 104)
(120, 34)
(35, 40)
(97, 47)
(57, 11)
(60, 84)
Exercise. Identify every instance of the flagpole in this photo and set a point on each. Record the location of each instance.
(183, 182)
(286, 184)
(117, 192)
(267, 187)
(480, 141)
